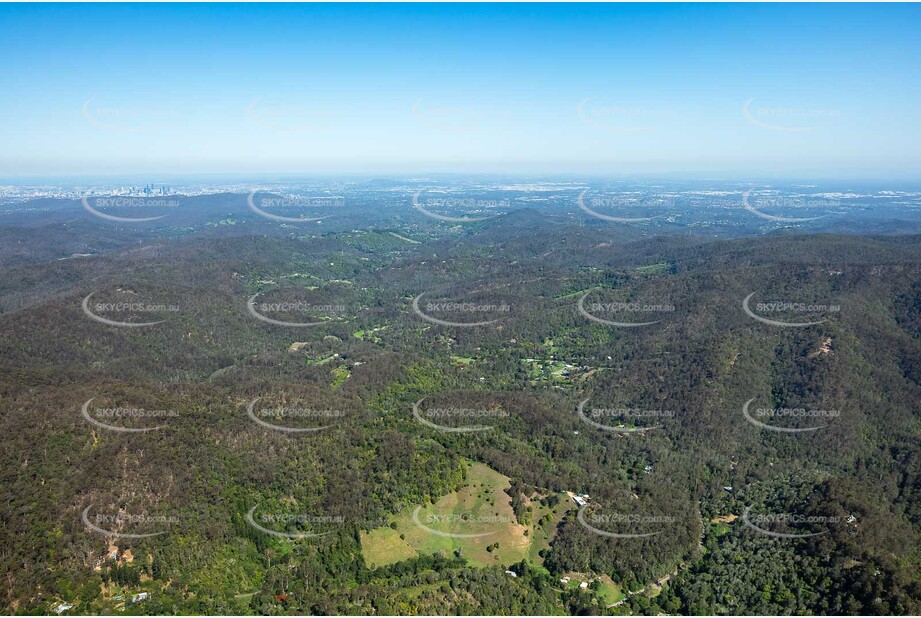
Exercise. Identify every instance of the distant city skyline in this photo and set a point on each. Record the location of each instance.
(735, 91)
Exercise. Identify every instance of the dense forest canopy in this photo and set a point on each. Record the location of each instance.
(390, 413)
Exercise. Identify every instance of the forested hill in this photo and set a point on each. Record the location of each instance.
(214, 422)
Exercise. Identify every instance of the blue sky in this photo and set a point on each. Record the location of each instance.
(747, 90)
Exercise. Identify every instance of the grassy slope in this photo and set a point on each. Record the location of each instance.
(480, 506)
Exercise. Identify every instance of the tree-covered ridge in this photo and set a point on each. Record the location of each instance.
(359, 373)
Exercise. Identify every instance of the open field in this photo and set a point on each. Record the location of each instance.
(476, 522)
